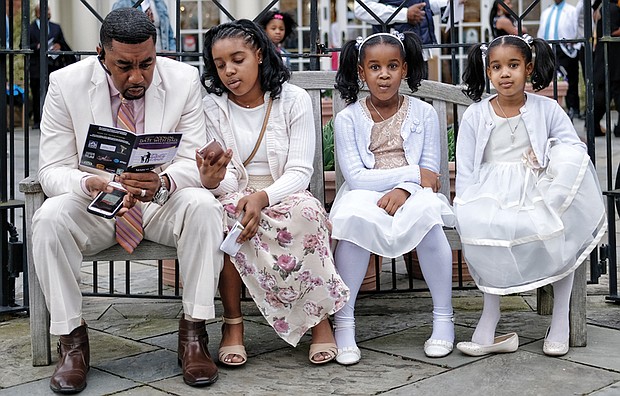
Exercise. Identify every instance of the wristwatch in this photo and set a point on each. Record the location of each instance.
(161, 196)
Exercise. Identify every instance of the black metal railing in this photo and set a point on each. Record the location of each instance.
(13, 169)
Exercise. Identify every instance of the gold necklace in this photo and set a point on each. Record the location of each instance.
(512, 130)
(377, 111)
(247, 106)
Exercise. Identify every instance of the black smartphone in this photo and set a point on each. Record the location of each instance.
(212, 147)
(107, 204)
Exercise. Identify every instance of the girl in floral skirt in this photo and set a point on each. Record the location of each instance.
(284, 260)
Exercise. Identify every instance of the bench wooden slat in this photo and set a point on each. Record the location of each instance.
(146, 250)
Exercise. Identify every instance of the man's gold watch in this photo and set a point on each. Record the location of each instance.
(161, 196)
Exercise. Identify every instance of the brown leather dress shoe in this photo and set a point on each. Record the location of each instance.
(198, 367)
(74, 362)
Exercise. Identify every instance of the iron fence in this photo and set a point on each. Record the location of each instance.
(17, 151)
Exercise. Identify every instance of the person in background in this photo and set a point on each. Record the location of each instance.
(279, 26)
(613, 67)
(56, 42)
(557, 22)
(335, 39)
(126, 86)
(285, 259)
(501, 21)
(157, 12)
(416, 16)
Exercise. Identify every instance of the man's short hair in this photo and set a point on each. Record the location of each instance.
(128, 26)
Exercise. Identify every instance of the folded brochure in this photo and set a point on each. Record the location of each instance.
(117, 150)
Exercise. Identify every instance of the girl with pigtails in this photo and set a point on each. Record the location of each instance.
(528, 204)
(388, 152)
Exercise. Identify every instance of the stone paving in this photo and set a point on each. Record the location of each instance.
(133, 350)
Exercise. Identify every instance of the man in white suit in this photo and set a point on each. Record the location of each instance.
(177, 209)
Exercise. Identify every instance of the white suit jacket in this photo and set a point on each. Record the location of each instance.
(79, 95)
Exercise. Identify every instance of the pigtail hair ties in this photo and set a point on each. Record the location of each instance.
(526, 38)
(359, 41)
(484, 49)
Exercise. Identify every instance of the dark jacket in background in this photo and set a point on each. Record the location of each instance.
(425, 29)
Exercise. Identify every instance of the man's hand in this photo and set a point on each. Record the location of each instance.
(149, 13)
(429, 179)
(251, 205)
(393, 200)
(96, 184)
(212, 174)
(128, 202)
(416, 13)
(142, 185)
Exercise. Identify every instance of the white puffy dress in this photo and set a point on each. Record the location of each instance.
(521, 226)
(356, 217)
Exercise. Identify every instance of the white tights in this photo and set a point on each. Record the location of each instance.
(436, 263)
(559, 331)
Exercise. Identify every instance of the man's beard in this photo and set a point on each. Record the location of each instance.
(127, 95)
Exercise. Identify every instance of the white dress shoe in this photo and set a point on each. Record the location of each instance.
(348, 355)
(551, 348)
(437, 348)
(501, 344)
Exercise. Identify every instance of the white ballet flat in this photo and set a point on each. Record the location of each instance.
(551, 348)
(501, 344)
(437, 348)
(348, 355)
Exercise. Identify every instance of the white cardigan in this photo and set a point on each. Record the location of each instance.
(544, 120)
(420, 133)
(289, 138)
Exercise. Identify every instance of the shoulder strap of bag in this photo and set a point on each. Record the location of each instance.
(260, 136)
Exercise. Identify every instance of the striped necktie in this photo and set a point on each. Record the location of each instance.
(129, 231)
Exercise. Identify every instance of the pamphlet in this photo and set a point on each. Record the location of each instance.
(117, 150)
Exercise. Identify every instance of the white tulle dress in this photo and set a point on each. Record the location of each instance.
(521, 226)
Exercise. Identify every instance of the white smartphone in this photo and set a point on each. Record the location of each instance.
(107, 204)
(212, 147)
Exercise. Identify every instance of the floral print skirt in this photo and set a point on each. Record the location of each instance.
(288, 267)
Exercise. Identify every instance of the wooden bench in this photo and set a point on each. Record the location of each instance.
(448, 101)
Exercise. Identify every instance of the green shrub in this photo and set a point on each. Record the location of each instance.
(329, 163)
(451, 144)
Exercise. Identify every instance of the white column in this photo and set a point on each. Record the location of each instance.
(324, 10)
(247, 9)
(79, 25)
